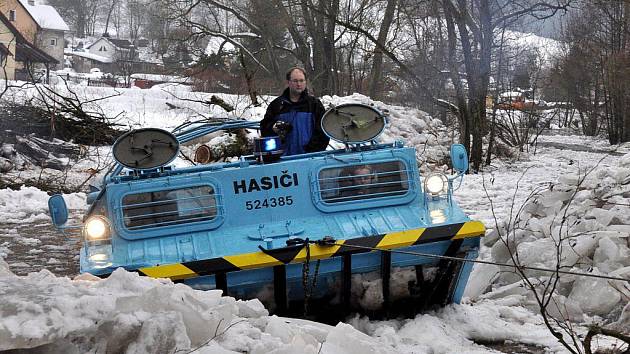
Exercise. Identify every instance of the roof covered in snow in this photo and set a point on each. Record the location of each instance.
(88, 55)
(215, 44)
(512, 94)
(120, 43)
(46, 16)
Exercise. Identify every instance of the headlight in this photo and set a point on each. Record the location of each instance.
(435, 184)
(96, 228)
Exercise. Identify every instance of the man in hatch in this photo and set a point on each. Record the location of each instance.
(357, 182)
(295, 116)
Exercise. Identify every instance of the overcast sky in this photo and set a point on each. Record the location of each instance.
(551, 27)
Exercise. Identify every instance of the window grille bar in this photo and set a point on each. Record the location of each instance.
(172, 222)
(369, 185)
(171, 212)
(365, 196)
(166, 201)
(180, 206)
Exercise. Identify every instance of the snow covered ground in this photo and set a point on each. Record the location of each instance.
(127, 313)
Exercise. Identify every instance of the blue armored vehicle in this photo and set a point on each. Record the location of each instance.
(327, 227)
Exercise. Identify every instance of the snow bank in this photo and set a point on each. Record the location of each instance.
(461, 329)
(136, 108)
(585, 219)
(25, 205)
(133, 314)
(30, 204)
(124, 311)
(412, 126)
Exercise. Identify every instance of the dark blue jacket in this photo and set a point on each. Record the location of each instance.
(305, 116)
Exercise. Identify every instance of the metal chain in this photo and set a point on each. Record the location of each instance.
(308, 289)
(314, 282)
(305, 274)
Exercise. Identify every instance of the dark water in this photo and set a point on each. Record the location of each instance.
(34, 247)
(515, 348)
(577, 147)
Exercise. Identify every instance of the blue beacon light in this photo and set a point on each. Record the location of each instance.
(267, 149)
(270, 145)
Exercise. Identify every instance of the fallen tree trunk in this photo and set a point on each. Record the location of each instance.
(34, 151)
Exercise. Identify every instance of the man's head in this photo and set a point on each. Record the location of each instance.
(364, 176)
(296, 80)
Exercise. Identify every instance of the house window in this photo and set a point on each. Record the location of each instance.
(53, 42)
(11, 15)
(102, 49)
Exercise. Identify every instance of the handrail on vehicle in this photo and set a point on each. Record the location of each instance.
(192, 133)
(208, 128)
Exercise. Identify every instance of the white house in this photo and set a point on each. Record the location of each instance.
(113, 49)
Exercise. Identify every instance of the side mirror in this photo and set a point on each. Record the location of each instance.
(459, 158)
(58, 210)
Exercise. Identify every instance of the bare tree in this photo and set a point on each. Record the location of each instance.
(475, 23)
(82, 14)
(377, 61)
(136, 18)
(596, 66)
(311, 26)
(109, 14)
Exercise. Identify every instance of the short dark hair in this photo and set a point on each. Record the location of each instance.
(352, 170)
(293, 69)
(363, 167)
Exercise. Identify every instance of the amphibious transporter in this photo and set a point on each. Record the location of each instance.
(325, 228)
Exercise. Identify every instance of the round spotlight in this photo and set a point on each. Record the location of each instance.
(435, 184)
(96, 228)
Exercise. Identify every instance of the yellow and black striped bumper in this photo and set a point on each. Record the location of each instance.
(297, 254)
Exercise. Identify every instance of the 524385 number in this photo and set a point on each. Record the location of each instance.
(268, 202)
